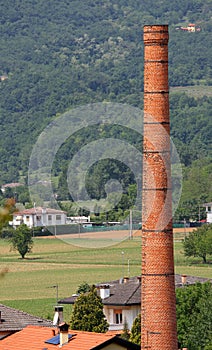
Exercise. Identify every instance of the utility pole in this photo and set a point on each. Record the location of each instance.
(130, 233)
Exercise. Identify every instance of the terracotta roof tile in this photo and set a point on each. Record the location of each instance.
(39, 210)
(34, 337)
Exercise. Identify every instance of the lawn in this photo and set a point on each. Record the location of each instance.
(28, 284)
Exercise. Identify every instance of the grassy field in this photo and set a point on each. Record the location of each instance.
(28, 284)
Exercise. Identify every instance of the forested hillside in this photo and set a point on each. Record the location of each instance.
(59, 54)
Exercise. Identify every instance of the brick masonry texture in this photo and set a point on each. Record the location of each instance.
(158, 309)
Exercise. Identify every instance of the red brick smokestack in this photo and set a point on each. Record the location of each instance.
(158, 313)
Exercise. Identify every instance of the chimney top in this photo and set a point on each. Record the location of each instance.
(58, 308)
(156, 34)
(58, 315)
(183, 279)
(104, 286)
(63, 327)
(104, 291)
(139, 279)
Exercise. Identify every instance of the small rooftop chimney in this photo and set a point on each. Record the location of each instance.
(104, 291)
(63, 328)
(58, 316)
(139, 279)
(183, 279)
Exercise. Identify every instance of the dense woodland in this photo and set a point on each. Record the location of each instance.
(57, 55)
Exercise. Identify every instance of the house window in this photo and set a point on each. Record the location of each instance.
(118, 316)
(27, 218)
(38, 218)
(49, 218)
(58, 217)
(209, 209)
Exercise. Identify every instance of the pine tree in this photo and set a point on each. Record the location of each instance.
(126, 333)
(135, 336)
(88, 313)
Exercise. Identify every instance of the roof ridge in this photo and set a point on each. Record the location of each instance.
(138, 286)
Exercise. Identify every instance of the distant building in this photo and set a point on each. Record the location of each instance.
(191, 28)
(3, 77)
(78, 220)
(208, 207)
(39, 217)
(11, 185)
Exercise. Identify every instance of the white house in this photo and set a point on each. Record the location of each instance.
(208, 207)
(39, 216)
(12, 185)
(122, 299)
(121, 302)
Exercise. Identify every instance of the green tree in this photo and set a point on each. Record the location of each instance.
(22, 240)
(135, 336)
(83, 288)
(200, 335)
(199, 242)
(194, 316)
(88, 313)
(6, 212)
(126, 333)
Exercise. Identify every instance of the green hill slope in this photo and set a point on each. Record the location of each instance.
(60, 54)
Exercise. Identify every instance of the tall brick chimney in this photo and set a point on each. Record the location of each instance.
(158, 304)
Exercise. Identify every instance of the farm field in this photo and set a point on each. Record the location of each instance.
(29, 284)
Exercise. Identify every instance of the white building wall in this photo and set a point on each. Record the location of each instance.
(208, 207)
(209, 217)
(128, 315)
(28, 220)
(40, 219)
(108, 314)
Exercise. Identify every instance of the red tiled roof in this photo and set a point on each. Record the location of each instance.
(12, 184)
(39, 210)
(34, 337)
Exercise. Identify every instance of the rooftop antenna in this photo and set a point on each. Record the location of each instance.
(56, 286)
(58, 316)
